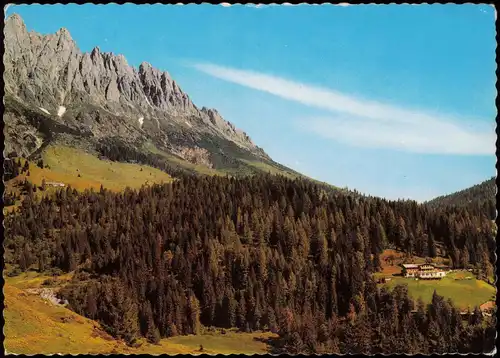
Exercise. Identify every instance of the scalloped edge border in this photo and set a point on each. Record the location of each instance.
(258, 6)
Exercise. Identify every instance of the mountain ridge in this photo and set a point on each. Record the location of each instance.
(86, 91)
(55, 91)
(479, 198)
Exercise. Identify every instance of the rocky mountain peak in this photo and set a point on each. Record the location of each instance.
(50, 72)
(64, 34)
(213, 115)
(96, 51)
(15, 29)
(15, 21)
(145, 66)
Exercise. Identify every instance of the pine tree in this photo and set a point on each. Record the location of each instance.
(42, 261)
(194, 314)
(271, 320)
(91, 302)
(152, 332)
(477, 317)
(431, 244)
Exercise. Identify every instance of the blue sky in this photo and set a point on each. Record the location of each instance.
(393, 100)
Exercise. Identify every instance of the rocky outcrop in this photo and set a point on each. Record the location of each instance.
(50, 73)
(196, 155)
(48, 294)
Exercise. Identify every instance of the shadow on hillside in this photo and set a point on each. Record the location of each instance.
(275, 344)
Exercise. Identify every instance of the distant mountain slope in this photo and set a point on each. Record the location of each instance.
(55, 93)
(478, 197)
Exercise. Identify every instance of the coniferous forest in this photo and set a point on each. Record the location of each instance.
(257, 253)
(477, 199)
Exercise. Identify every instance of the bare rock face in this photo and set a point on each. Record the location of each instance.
(226, 128)
(196, 155)
(53, 63)
(162, 92)
(50, 73)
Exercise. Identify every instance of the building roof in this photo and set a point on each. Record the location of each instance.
(418, 265)
(51, 183)
(409, 266)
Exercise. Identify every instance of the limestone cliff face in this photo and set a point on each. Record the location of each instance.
(101, 94)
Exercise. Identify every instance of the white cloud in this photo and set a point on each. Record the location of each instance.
(369, 123)
(430, 138)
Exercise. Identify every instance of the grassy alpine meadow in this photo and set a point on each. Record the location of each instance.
(268, 168)
(461, 286)
(213, 343)
(67, 163)
(229, 342)
(35, 325)
(81, 170)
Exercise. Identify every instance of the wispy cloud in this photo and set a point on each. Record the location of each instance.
(369, 123)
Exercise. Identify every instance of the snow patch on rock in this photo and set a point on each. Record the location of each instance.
(189, 124)
(61, 111)
(44, 110)
(141, 121)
